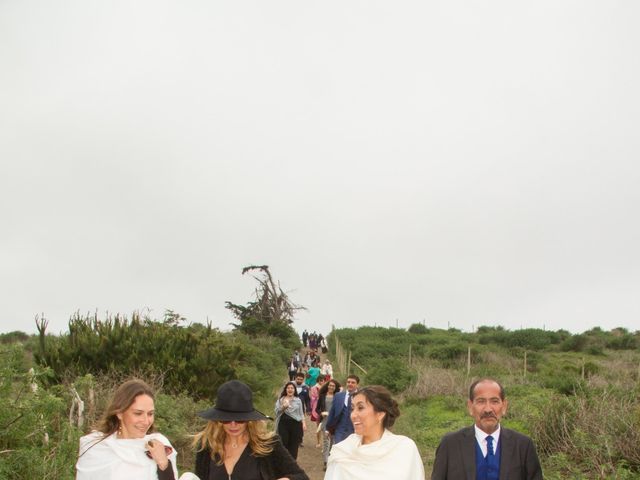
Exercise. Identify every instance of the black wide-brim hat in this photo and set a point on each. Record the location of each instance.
(234, 402)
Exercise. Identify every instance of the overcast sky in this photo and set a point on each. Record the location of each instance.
(461, 163)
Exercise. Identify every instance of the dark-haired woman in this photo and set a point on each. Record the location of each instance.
(290, 424)
(235, 442)
(123, 446)
(373, 452)
(325, 401)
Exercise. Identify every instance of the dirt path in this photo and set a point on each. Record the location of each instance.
(310, 457)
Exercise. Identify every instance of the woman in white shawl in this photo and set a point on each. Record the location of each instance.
(373, 452)
(123, 446)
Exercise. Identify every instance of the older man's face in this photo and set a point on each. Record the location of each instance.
(487, 408)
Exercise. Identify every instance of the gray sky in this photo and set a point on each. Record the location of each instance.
(463, 163)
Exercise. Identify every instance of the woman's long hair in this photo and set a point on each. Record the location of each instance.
(325, 388)
(284, 390)
(123, 398)
(213, 436)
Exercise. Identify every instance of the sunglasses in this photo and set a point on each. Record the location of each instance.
(227, 422)
(167, 450)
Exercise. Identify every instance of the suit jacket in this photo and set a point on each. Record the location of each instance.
(339, 419)
(456, 456)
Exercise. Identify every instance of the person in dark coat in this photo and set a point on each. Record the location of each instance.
(339, 420)
(236, 444)
(486, 451)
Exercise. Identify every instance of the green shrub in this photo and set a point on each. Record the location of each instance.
(37, 440)
(596, 430)
(393, 374)
(193, 359)
(448, 352)
(418, 328)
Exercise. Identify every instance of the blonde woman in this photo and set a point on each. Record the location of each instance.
(236, 444)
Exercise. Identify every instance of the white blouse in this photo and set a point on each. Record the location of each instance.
(112, 458)
(392, 457)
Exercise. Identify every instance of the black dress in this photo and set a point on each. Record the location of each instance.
(277, 464)
(246, 468)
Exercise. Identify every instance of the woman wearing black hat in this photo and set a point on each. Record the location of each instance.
(236, 444)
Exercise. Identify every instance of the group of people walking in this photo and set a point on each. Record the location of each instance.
(314, 341)
(310, 366)
(354, 425)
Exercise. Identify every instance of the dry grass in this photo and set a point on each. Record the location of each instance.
(432, 380)
(598, 430)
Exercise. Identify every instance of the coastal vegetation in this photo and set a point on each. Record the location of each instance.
(576, 395)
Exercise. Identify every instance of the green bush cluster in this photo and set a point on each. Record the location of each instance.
(393, 373)
(195, 359)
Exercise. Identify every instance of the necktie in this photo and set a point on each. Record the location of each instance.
(489, 446)
(348, 403)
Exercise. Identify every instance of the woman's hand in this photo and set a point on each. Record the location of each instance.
(158, 453)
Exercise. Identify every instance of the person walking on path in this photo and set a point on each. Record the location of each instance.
(235, 442)
(292, 366)
(486, 451)
(339, 419)
(325, 400)
(303, 392)
(327, 370)
(125, 444)
(290, 423)
(314, 416)
(312, 375)
(373, 452)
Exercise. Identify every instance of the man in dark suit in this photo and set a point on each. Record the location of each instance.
(303, 392)
(339, 419)
(486, 451)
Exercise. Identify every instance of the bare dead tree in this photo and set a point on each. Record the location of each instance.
(41, 325)
(272, 304)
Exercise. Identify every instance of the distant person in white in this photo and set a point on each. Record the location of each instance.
(373, 452)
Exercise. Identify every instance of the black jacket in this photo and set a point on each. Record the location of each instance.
(279, 463)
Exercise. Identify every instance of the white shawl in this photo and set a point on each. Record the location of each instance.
(392, 457)
(118, 459)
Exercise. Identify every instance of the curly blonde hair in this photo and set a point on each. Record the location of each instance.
(261, 441)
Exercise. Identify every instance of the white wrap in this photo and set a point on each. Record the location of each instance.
(118, 459)
(392, 457)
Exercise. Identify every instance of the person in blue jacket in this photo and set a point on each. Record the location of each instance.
(339, 420)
